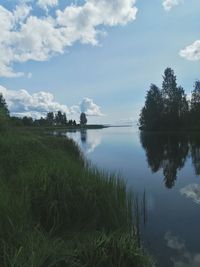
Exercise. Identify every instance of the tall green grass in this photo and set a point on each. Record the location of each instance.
(58, 211)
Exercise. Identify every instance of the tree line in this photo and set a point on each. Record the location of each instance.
(169, 108)
(51, 119)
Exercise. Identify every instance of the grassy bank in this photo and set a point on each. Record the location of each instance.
(57, 211)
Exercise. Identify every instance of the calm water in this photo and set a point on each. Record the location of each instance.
(167, 167)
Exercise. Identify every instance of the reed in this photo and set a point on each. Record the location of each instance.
(56, 210)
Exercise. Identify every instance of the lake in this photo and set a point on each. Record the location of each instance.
(167, 168)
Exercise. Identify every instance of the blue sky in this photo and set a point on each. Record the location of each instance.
(109, 74)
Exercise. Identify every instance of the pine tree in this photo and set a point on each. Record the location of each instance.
(151, 114)
(174, 99)
(195, 105)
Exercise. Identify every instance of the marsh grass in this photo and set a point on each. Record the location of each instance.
(58, 211)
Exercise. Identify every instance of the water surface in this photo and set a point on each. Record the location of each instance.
(167, 168)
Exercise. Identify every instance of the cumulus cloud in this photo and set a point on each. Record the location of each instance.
(191, 52)
(21, 103)
(52, 34)
(88, 106)
(169, 4)
(192, 191)
(45, 4)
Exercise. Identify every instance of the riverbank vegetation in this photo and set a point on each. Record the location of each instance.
(169, 108)
(58, 211)
(54, 121)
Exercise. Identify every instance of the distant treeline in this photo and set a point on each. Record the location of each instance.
(51, 118)
(169, 108)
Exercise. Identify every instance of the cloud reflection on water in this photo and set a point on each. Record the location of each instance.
(192, 191)
(184, 257)
(87, 140)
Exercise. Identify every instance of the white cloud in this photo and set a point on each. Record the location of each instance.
(45, 4)
(88, 106)
(27, 37)
(21, 103)
(169, 4)
(9, 21)
(191, 52)
(192, 191)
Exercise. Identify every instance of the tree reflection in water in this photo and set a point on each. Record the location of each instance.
(83, 135)
(167, 152)
(195, 152)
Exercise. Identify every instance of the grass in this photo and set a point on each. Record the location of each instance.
(58, 211)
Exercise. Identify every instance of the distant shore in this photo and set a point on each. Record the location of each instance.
(77, 127)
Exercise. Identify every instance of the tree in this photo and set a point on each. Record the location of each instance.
(151, 114)
(50, 118)
(174, 99)
(3, 106)
(167, 108)
(169, 87)
(4, 112)
(64, 119)
(16, 121)
(195, 104)
(83, 119)
(183, 107)
(58, 118)
(70, 122)
(169, 84)
(27, 121)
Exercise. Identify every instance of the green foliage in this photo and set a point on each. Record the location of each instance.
(175, 104)
(153, 109)
(4, 113)
(58, 211)
(50, 118)
(167, 108)
(3, 106)
(98, 249)
(60, 118)
(27, 121)
(195, 104)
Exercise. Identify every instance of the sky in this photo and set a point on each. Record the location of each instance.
(94, 56)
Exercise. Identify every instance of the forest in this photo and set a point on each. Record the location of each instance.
(169, 108)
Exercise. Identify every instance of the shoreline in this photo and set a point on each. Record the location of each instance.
(56, 207)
